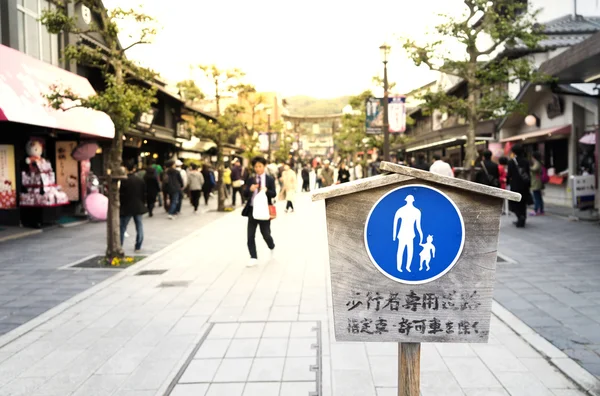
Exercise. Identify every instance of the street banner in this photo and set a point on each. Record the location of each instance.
(374, 120)
(67, 169)
(263, 141)
(397, 114)
(8, 181)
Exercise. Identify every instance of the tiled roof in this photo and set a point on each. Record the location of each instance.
(551, 42)
(572, 24)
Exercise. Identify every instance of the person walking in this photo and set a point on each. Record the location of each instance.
(159, 173)
(289, 182)
(502, 169)
(420, 163)
(489, 173)
(132, 194)
(152, 189)
(184, 178)
(343, 174)
(254, 185)
(174, 188)
(326, 174)
(537, 184)
(227, 181)
(306, 178)
(209, 182)
(237, 181)
(196, 180)
(518, 178)
(440, 167)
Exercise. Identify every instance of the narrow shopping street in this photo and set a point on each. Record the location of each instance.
(208, 325)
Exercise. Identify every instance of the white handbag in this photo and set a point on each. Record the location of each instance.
(260, 207)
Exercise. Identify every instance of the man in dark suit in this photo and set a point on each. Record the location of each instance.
(133, 197)
(255, 184)
(489, 173)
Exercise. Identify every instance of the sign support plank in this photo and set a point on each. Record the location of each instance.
(409, 369)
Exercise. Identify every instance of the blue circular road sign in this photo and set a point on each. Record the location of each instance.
(414, 234)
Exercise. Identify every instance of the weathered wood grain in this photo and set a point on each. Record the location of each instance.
(357, 185)
(352, 271)
(409, 369)
(451, 181)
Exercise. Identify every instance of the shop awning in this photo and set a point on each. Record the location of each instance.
(23, 83)
(546, 133)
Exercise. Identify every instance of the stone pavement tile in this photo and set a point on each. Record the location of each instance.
(262, 389)
(567, 392)
(485, 392)
(223, 330)
(100, 385)
(298, 369)
(133, 392)
(150, 375)
(302, 347)
(383, 348)
(283, 313)
(266, 369)
(455, 350)
(431, 360)
(240, 348)
(213, 349)
(52, 363)
(522, 384)
(498, 358)
(298, 388)
(471, 372)
(352, 383)
(438, 383)
(349, 356)
(200, 370)
(384, 370)
(272, 347)
(190, 325)
(303, 330)
(225, 390)
(549, 375)
(125, 361)
(386, 391)
(190, 390)
(516, 345)
(22, 386)
(250, 330)
(233, 370)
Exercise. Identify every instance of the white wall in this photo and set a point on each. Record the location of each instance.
(552, 9)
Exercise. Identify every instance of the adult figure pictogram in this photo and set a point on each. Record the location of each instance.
(410, 217)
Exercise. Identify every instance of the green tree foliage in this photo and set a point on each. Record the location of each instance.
(124, 96)
(486, 27)
(189, 91)
(228, 125)
(349, 139)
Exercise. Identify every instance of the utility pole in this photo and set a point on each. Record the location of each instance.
(269, 131)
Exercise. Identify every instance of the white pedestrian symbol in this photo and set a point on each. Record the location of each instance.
(427, 253)
(410, 217)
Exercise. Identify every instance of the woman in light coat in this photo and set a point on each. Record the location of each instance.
(290, 184)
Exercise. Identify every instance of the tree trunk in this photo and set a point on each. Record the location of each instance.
(115, 172)
(113, 242)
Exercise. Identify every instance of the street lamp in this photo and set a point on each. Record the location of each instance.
(385, 51)
(269, 131)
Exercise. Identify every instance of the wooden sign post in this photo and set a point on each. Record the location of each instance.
(412, 259)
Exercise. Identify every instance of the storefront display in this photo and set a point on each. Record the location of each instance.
(67, 175)
(8, 192)
(39, 180)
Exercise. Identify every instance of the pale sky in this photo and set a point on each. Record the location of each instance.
(320, 48)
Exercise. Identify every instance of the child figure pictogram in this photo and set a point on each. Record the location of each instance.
(427, 253)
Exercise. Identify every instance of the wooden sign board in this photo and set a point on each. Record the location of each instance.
(444, 230)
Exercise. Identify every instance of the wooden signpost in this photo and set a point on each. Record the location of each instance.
(412, 259)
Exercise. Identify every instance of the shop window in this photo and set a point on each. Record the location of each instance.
(34, 38)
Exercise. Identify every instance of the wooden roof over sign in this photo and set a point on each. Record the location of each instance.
(401, 173)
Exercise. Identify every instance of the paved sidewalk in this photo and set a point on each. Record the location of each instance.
(31, 281)
(554, 286)
(210, 326)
